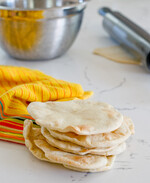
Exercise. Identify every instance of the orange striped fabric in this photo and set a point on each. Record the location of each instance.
(18, 87)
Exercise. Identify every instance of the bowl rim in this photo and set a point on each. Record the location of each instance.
(65, 7)
(54, 12)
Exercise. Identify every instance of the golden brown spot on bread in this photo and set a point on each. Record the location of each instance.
(74, 135)
(82, 159)
(110, 114)
(83, 127)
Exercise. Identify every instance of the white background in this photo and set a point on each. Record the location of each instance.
(127, 87)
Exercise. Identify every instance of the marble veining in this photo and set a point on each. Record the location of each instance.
(80, 179)
(86, 76)
(126, 108)
(114, 87)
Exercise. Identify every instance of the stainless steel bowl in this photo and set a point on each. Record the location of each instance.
(39, 29)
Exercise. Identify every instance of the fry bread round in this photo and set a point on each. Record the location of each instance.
(76, 149)
(79, 116)
(118, 54)
(109, 165)
(30, 134)
(102, 140)
(37, 144)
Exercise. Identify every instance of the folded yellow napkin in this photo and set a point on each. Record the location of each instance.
(18, 87)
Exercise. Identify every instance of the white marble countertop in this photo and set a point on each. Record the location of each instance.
(127, 87)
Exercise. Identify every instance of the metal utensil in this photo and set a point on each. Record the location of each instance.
(127, 33)
(39, 29)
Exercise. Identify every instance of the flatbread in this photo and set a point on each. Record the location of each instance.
(43, 151)
(30, 134)
(76, 161)
(101, 140)
(81, 117)
(109, 165)
(130, 125)
(118, 54)
(85, 163)
(76, 149)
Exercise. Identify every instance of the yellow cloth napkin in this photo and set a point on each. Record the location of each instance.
(18, 87)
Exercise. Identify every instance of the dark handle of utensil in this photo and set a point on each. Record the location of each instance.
(127, 33)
